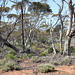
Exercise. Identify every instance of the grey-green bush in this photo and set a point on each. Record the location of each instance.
(10, 65)
(10, 57)
(7, 65)
(44, 68)
(65, 60)
(36, 59)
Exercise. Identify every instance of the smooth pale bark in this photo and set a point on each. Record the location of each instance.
(61, 21)
(61, 35)
(68, 39)
(52, 41)
(67, 46)
(67, 42)
(29, 39)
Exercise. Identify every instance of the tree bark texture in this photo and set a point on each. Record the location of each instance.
(23, 43)
(52, 41)
(8, 44)
(68, 38)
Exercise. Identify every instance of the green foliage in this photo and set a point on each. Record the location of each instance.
(57, 29)
(72, 49)
(45, 25)
(11, 15)
(44, 68)
(9, 65)
(11, 52)
(34, 44)
(30, 55)
(50, 50)
(57, 47)
(44, 53)
(65, 60)
(2, 62)
(37, 6)
(6, 9)
(43, 39)
(36, 59)
(24, 57)
(34, 48)
(26, 1)
(10, 57)
(19, 47)
(55, 63)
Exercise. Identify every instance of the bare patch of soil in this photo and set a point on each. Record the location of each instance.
(59, 70)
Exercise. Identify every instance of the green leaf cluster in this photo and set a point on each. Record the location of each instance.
(41, 7)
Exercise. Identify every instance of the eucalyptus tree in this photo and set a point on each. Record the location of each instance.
(13, 27)
(22, 7)
(61, 18)
(70, 30)
(4, 9)
(38, 11)
(70, 33)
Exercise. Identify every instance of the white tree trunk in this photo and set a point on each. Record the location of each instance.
(61, 35)
(68, 39)
(67, 46)
(52, 41)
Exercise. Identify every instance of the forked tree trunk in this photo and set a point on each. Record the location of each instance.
(68, 39)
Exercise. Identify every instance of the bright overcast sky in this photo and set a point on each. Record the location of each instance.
(53, 6)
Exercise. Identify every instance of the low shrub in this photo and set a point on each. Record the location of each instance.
(10, 57)
(45, 53)
(43, 39)
(65, 60)
(7, 65)
(12, 52)
(30, 55)
(24, 57)
(10, 65)
(44, 68)
(34, 48)
(3, 61)
(36, 59)
(50, 50)
(55, 63)
(34, 44)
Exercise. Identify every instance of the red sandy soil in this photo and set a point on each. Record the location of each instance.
(60, 70)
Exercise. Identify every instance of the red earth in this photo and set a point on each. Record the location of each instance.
(59, 70)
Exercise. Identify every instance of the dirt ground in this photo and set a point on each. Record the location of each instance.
(59, 70)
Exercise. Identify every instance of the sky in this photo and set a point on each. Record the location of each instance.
(53, 6)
